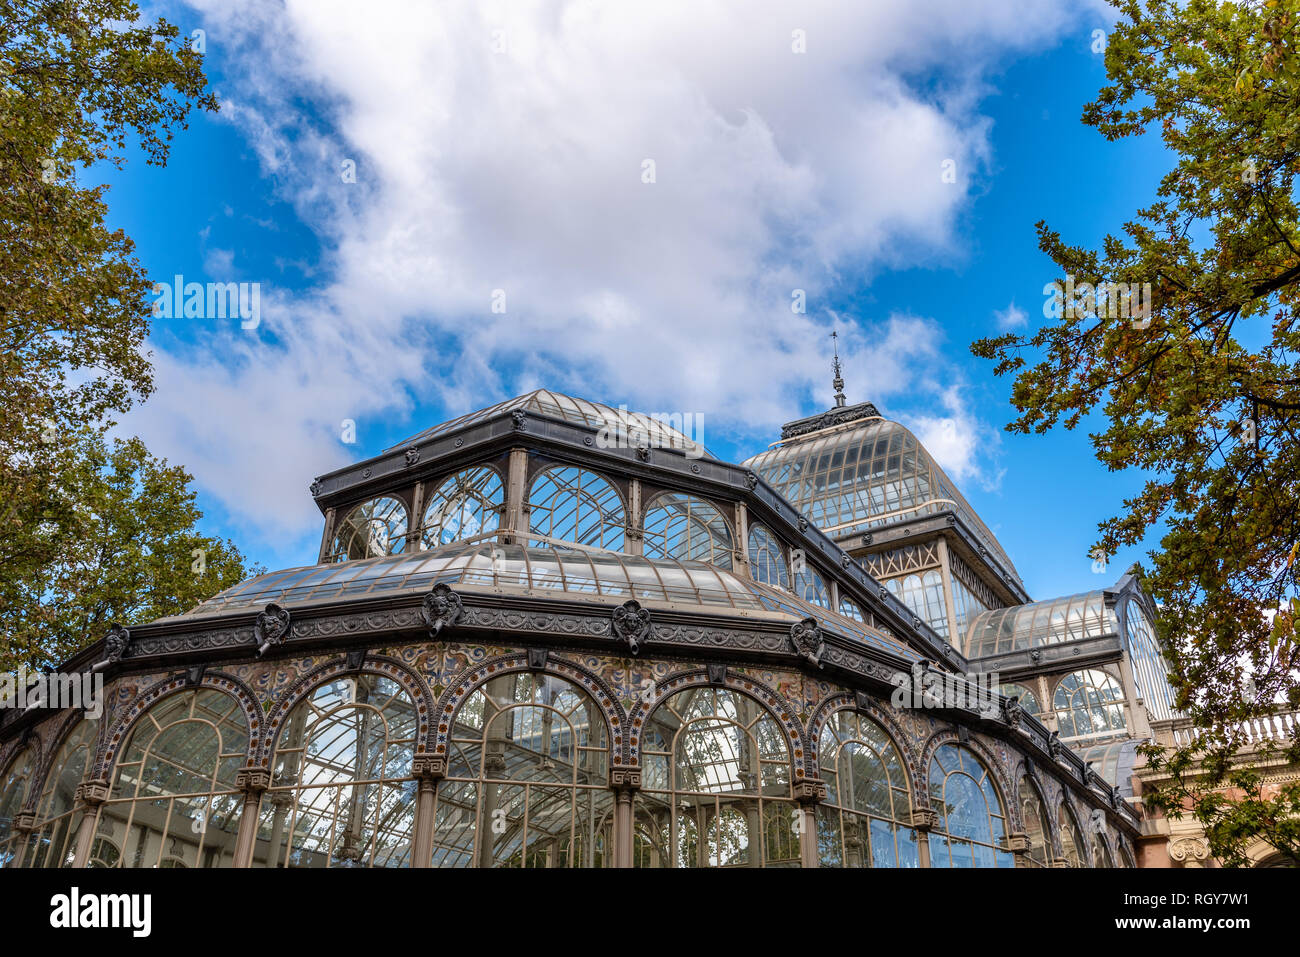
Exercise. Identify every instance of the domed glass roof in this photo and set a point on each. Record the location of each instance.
(865, 473)
(655, 430)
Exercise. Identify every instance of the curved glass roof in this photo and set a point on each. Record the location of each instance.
(597, 575)
(869, 473)
(1051, 622)
(1113, 761)
(655, 431)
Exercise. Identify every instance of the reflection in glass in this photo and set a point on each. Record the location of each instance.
(685, 527)
(341, 792)
(715, 785)
(462, 506)
(971, 824)
(1072, 843)
(53, 841)
(371, 530)
(863, 821)
(527, 780)
(173, 801)
(767, 558)
(14, 788)
(573, 505)
(1037, 830)
(1088, 702)
(1027, 700)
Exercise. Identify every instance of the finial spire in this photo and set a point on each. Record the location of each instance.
(838, 381)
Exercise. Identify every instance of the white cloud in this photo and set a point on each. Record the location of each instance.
(521, 171)
(1012, 317)
(959, 441)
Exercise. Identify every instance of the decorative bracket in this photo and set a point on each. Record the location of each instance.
(116, 642)
(631, 624)
(442, 607)
(271, 628)
(806, 638)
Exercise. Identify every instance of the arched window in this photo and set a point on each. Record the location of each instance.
(715, 785)
(372, 529)
(174, 802)
(1088, 703)
(923, 594)
(573, 505)
(684, 527)
(527, 782)
(463, 505)
(1027, 700)
(1101, 856)
(1072, 844)
(1037, 830)
(1150, 671)
(341, 793)
(850, 609)
(1126, 856)
(53, 841)
(971, 825)
(811, 587)
(14, 788)
(767, 558)
(864, 820)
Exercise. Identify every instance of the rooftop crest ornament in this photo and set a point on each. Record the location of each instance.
(271, 628)
(806, 638)
(631, 624)
(441, 607)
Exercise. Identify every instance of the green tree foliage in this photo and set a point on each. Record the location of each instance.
(123, 549)
(1204, 397)
(79, 80)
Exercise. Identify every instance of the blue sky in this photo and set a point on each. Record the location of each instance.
(503, 147)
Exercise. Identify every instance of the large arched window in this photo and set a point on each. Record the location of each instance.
(174, 802)
(53, 842)
(715, 786)
(341, 793)
(1088, 703)
(971, 825)
(463, 506)
(923, 594)
(573, 505)
(1072, 844)
(767, 558)
(1150, 671)
(527, 779)
(1037, 830)
(863, 821)
(685, 527)
(14, 789)
(1027, 700)
(811, 587)
(372, 529)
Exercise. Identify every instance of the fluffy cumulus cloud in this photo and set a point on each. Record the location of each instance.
(506, 146)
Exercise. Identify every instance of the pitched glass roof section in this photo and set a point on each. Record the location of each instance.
(1052, 622)
(656, 432)
(869, 473)
(573, 572)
